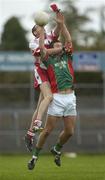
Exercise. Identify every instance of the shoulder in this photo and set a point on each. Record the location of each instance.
(51, 36)
(33, 44)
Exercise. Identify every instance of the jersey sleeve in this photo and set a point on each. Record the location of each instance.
(52, 36)
(34, 47)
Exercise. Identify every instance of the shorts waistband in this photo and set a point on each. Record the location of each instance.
(62, 95)
(67, 91)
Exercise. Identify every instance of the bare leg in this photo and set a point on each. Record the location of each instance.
(36, 111)
(69, 124)
(30, 134)
(49, 126)
(47, 98)
(44, 100)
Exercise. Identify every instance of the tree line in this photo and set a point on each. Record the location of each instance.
(14, 35)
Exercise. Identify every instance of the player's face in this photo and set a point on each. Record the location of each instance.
(57, 45)
(37, 31)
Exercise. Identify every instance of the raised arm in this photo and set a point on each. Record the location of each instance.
(56, 10)
(64, 30)
(66, 34)
(57, 29)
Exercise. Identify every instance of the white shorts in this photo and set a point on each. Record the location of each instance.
(63, 105)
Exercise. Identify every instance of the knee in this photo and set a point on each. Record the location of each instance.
(70, 132)
(46, 132)
(49, 97)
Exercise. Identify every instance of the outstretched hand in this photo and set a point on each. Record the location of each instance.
(59, 18)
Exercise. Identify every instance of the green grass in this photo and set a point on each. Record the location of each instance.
(83, 167)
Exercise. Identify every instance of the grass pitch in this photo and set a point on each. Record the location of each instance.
(83, 167)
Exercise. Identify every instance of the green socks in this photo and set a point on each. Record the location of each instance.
(58, 146)
(36, 152)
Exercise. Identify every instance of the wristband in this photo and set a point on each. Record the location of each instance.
(54, 7)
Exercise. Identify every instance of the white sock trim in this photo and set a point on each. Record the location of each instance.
(34, 157)
(58, 152)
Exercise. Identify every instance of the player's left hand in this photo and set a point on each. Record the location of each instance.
(68, 47)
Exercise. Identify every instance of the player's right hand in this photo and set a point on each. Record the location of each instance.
(60, 18)
(54, 7)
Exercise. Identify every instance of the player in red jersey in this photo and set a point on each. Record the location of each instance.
(40, 81)
(58, 61)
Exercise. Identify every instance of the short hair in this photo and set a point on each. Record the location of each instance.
(34, 28)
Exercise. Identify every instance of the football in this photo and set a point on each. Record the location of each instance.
(41, 18)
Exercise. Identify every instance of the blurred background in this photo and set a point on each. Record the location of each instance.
(85, 20)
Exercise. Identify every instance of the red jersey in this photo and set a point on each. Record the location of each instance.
(34, 45)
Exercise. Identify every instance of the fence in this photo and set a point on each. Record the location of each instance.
(17, 103)
(15, 118)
